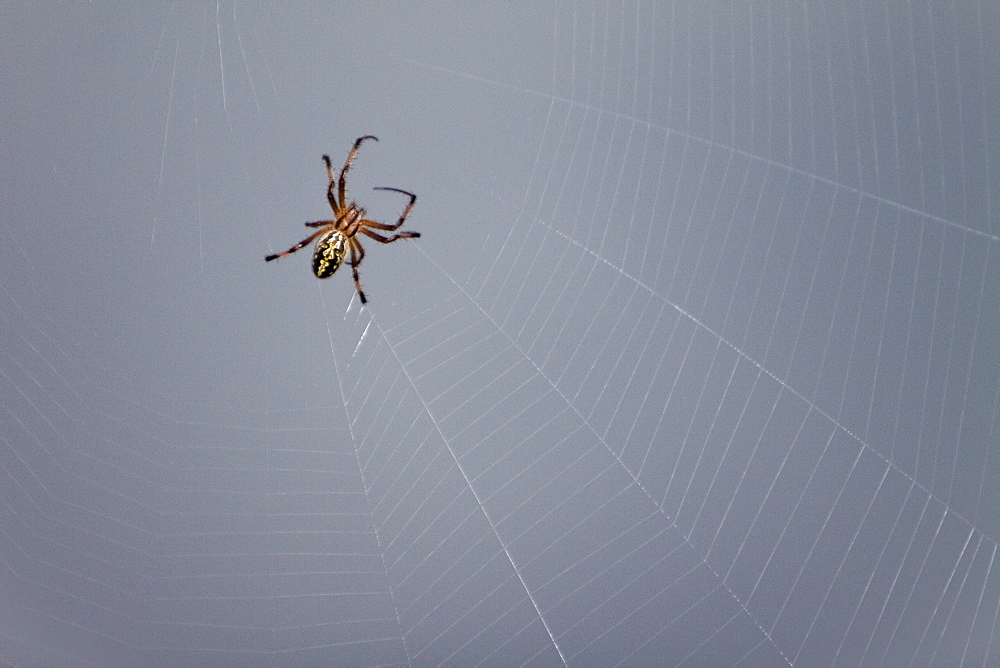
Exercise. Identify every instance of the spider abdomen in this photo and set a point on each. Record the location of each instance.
(331, 248)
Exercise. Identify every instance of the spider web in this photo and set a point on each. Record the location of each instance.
(696, 361)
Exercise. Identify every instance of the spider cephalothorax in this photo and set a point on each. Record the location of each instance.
(335, 237)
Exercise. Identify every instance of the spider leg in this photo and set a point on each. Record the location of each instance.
(402, 217)
(320, 223)
(347, 165)
(385, 240)
(331, 197)
(298, 246)
(357, 255)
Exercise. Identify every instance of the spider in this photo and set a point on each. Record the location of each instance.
(336, 236)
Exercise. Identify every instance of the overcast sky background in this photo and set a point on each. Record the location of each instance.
(696, 360)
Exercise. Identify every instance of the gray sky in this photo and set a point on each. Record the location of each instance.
(695, 362)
